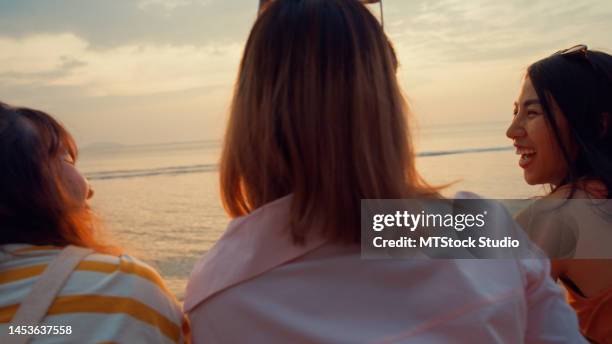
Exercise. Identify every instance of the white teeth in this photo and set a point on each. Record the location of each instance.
(526, 158)
(522, 151)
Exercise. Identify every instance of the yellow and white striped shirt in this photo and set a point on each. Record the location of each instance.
(106, 299)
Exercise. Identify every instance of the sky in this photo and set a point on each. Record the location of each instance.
(150, 71)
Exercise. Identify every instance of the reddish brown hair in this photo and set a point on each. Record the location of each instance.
(317, 112)
(35, 204)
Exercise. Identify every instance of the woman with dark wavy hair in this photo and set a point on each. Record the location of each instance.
(317, 124)
(58, 278)
(562, 130)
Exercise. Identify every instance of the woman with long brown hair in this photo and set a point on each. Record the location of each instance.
(59, 281)
(317, 124)
(561, 130)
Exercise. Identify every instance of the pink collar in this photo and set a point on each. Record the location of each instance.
(251, 245)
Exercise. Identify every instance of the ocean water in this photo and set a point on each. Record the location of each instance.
(161, 202)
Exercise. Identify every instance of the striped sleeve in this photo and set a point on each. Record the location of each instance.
(106, 299)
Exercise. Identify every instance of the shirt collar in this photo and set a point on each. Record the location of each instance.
(251, 245)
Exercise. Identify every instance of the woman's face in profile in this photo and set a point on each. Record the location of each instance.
(540, 155)
(75, 182)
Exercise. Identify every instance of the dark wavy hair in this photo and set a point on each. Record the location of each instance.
(35, 204)
(580, 83)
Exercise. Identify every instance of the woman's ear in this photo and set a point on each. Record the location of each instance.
(605, 124)
(262, 5)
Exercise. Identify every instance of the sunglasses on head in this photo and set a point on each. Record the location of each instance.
(575, 50)
(578, 51)
(582, 52)
(263, 3)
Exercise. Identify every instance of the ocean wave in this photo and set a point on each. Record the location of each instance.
(465, 151)
(173, 170)
(176, 170)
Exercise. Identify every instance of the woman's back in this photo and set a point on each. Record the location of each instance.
(106, 298)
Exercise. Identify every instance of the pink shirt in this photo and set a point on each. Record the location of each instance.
(254, 286)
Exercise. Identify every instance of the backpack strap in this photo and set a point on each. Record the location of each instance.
(36, 304)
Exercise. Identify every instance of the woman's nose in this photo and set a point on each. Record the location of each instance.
(515, 130)
(90, 191)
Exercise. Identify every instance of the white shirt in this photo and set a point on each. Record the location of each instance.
(254, 286)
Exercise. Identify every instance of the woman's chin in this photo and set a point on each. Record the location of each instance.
(532, 179)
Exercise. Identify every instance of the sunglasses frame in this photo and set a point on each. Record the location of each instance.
(579, 48)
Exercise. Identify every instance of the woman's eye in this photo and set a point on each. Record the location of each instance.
(532, 113)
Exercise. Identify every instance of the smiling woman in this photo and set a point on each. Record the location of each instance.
(562, 116)
(541, 155)
(561, 129)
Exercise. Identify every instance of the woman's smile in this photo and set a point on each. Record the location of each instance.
(527, 154)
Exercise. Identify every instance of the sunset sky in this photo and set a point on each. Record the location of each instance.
(146, 71)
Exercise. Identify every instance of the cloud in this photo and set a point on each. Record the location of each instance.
(452, 30)
(448, 31)
(65, 60)
(170, 4)
(112, 23)
(161, 70)
(66, 66)
(463, 60)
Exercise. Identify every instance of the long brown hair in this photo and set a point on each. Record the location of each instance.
(36, 206)
(317, 112)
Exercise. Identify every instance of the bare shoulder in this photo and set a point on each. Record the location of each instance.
(585, 189)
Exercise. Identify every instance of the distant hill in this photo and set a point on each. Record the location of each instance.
(102, 146)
